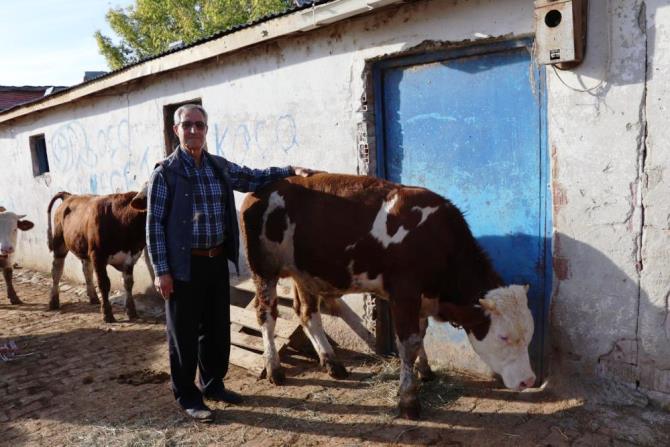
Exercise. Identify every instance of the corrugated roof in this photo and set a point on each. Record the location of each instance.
(298, 19)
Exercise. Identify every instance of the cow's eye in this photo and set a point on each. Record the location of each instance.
(504, 338)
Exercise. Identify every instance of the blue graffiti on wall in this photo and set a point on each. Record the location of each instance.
(71, 149)
(114, 138)
(100, 168)
(237, 139)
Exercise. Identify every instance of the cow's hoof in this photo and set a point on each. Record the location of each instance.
(132, 315)
(54, 304)
(426, 375)
(94, 300)
(109, 318)
(410, 410)
(336, 370)
(277, 377)
(14, 299)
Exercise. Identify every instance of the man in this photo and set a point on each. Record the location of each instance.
(192, 232)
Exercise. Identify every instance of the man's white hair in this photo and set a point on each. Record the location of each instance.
(185, 108)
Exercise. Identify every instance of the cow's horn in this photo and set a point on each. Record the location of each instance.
(488, 304)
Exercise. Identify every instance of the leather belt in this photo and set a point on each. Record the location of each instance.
(209, 253)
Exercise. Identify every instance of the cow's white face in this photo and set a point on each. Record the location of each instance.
(505, 347)
(10, 223)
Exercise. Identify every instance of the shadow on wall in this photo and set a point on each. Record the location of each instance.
(509, 254)
(600, 322)
(595, 326)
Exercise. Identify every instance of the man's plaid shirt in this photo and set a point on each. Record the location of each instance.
(208, 204)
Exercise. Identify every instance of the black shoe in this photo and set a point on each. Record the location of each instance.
(200, 413)
(224, 395)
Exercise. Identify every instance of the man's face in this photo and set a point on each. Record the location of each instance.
(191, 130)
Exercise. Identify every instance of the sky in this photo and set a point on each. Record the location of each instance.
(50, 42)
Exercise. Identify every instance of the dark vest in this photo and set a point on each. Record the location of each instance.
(179, 230)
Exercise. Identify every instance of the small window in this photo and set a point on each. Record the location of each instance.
(38, 153)
(171, 140)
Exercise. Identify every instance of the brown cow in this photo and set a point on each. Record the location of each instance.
(337, 234)
(9, 224)
(99, 230)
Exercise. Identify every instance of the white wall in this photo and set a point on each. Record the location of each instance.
(296, 101)
(609, 311)
(654, 324)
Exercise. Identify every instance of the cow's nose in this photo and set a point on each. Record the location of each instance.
(529, 382)
(6, 250)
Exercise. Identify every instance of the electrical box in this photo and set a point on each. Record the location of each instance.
(560, 32)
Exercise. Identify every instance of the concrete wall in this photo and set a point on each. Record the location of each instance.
(654, 325)
(606, 133)
(298, 101)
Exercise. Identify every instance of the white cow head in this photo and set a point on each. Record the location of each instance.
(505, 347)
(9, 224)
(499, 329)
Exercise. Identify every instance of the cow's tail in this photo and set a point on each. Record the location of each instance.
(50, 239)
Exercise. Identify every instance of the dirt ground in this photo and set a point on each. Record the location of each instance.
(85, 383)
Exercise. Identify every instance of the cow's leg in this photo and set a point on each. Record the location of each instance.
(7, 272)
(56, 274)
(100, 266)
(87, 268)
(310, 319)
(408, 338)
(128, 286)
(266, 313)
(422, 366)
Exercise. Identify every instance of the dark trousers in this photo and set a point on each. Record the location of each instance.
(198, 329)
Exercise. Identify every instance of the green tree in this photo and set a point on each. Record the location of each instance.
(148, 27)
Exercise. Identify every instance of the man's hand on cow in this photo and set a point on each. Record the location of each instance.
(304, 172)
(164, 285)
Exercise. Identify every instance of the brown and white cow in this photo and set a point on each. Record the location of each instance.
(99, 230)
(10, 223)
(336, 234)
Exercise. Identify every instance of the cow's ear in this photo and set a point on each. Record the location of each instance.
(467, 317)
(24, 225)
(2, 209)
(139, 202)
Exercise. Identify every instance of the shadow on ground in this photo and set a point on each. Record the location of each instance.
(90, 383)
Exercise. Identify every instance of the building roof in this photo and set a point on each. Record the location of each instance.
(297, 6)
(302, 18)
(11, 96)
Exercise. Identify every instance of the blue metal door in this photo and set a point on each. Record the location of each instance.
(470, 125)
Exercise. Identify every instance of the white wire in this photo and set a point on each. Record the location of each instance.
(603, 80)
